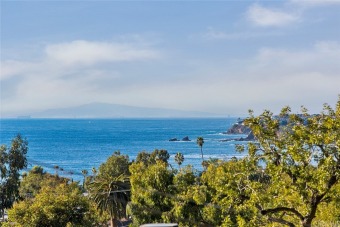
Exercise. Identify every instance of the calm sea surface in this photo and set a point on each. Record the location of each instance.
(77, 144)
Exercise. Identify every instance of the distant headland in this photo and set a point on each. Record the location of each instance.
(107, 110)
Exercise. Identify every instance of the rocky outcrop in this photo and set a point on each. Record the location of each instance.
(186, 139)
(238, 128)
(250, 137)
(173, 139)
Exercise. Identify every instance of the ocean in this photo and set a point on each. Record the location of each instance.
(77, 144)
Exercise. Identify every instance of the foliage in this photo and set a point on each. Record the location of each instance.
(12, 160)
(302, 160)
(189, 198)
(116, 165)
(110, 188)
(179, 159)
(151, 191)
(231, 186)
(151, 158)
(36, 178)
(160, 194)
(111, 196)
(67, 207)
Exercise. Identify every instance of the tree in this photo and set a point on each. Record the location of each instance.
(37, 178)
(230, 188)
(84, 172)
(158, 194)
(179, 158)
(116, 165)
(302, 161)
(160, 155)
(200, 142)
(67, 207)
(12, 160)
(110, 188)
(188, 198)
(111, 195)
(151, 158)
(94, 171)
(151, 192)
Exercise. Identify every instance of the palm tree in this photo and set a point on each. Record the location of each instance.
(94, 171)
(84, 172)
(200, 142)
(56, 167)
(179, 158)
(111, 194)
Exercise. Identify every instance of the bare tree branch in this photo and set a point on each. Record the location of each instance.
(281, 221)
(280, 209)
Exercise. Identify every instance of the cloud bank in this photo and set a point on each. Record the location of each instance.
(265, 55)
(273, 76)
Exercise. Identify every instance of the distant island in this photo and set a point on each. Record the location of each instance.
(107, 110)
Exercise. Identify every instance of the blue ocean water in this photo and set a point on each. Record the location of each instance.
(77, 144)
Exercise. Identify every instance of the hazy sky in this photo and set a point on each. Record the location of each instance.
(215, 56)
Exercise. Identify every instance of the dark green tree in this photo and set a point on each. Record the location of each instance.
(151, 158)
(144, 157)
(111, 195)
(12, 160)
(116, 165)
(110, 188)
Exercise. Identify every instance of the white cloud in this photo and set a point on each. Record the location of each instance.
(265, 17)
(88, 53)
(13, 68)
(69, 74)
(59, 57)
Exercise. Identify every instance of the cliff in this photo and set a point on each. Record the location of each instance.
(238, 128)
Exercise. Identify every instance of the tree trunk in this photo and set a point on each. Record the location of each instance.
(113, 222)
(3, 214)
(306, 224)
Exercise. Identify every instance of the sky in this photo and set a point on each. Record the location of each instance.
(223, 57)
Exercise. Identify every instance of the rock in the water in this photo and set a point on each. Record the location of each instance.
(173, 140)
(250, 137)
(186, 138)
